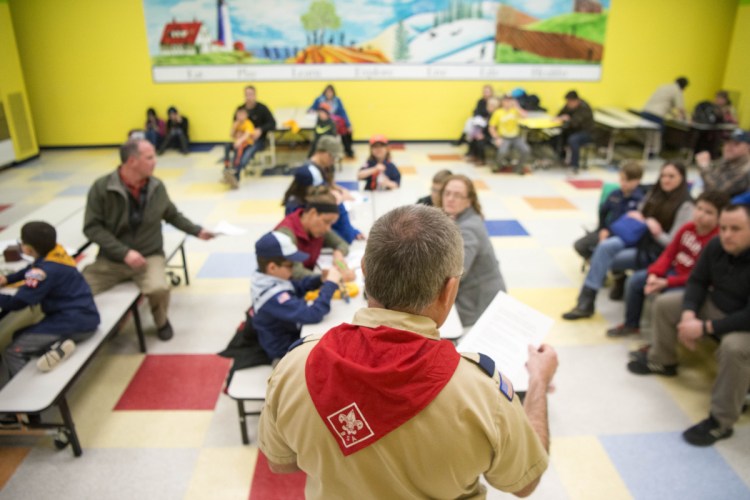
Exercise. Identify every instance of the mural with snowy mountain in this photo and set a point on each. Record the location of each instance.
(231, 40)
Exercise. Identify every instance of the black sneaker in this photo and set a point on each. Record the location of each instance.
(642, 366)
(165, 332)
(622, 331)
(706, 433)
(641, 351)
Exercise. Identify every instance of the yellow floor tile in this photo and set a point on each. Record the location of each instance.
(261, 207)
(480, 185)
(144, 429)
(586, 470)
(549, 203)
(102, 384)
(223, 473)
(407, 170)
(206, 189)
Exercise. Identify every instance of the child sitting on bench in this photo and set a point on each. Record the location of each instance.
(279, 306)
(53, 282)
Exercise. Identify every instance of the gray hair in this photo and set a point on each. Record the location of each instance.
(129, 149)
(411, 252)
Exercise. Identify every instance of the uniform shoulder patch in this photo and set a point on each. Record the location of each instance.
(303, 340)
(487, 364)
(283, 297)
(34, 276)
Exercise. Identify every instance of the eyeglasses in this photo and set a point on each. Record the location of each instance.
(454, 194)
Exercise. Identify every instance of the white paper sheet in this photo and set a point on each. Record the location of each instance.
(224, 227)
(504, 332)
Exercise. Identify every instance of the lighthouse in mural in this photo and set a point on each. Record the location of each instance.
(225, 25)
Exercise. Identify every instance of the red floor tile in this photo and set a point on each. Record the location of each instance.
(585, 183)
(176, 382)
(3, 207)
(269, 486)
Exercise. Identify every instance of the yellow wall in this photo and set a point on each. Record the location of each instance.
(737, 75)
(11, 80)
(89, 80)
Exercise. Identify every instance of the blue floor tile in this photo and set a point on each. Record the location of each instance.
(228, 265)
(505, 228)
(350, 185)
(51, 176)
(75, 191)
(662, 466)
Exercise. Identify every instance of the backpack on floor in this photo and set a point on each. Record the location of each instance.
(708, 113)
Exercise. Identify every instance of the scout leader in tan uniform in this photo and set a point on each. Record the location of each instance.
(382, 408)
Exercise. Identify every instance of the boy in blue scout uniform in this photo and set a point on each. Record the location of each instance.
(54, 282)
(279, 306)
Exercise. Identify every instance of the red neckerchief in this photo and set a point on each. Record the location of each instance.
(133, 189)
(366, 382)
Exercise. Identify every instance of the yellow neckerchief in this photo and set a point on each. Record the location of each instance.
(59, 255)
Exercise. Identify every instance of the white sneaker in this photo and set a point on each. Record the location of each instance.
(59, 352)
(230, 179)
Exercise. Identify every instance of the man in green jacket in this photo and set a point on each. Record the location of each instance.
(124, 211)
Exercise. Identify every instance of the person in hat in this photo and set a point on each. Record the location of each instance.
(177, 132)
(325, 126)
(731, 174)
(379, 172)
(279, 306)
(53, 282)
(308, 176)
(577, 122)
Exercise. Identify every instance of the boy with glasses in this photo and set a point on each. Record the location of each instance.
(279, 307)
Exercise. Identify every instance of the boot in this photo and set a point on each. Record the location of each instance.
(618, 287)
(585, 306)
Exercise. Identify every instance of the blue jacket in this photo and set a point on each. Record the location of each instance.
(617, 205)
(65, 298)
(280, 309)
(391, 171)
(337, 107)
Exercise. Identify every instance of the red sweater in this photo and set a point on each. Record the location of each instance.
(305, 242)
(681, 255)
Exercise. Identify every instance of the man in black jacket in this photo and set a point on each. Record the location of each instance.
(577, 121)
(262, 119)
(715, 304)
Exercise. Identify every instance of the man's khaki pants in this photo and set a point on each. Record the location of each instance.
(103, 274)
(733, 355)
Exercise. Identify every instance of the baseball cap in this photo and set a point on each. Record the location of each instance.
(329, 144)
(571, 95)
(378, 138)
(276, 244)
(325, 107)
(308, 175)
(740, 135)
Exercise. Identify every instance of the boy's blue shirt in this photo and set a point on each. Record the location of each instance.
(58, 287)
(617, 204)
(280, 309)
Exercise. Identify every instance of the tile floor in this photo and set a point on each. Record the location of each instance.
(158, 425)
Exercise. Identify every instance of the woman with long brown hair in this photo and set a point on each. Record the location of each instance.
(481, 279)
(665, 209)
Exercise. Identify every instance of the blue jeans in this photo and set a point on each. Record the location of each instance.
(247, 155)
(634, 297)
(575, 141)
(609, 254)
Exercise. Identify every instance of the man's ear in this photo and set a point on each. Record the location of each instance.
(448, 293)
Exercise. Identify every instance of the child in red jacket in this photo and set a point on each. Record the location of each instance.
(672, 269)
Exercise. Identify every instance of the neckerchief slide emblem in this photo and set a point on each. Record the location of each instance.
(350, 425)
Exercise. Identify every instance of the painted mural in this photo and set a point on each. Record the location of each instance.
(227, 40)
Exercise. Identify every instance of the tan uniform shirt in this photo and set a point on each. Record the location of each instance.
(665, 99)
(468, 430)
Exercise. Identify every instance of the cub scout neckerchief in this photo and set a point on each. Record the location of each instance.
(59, 255)
(366, 382)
